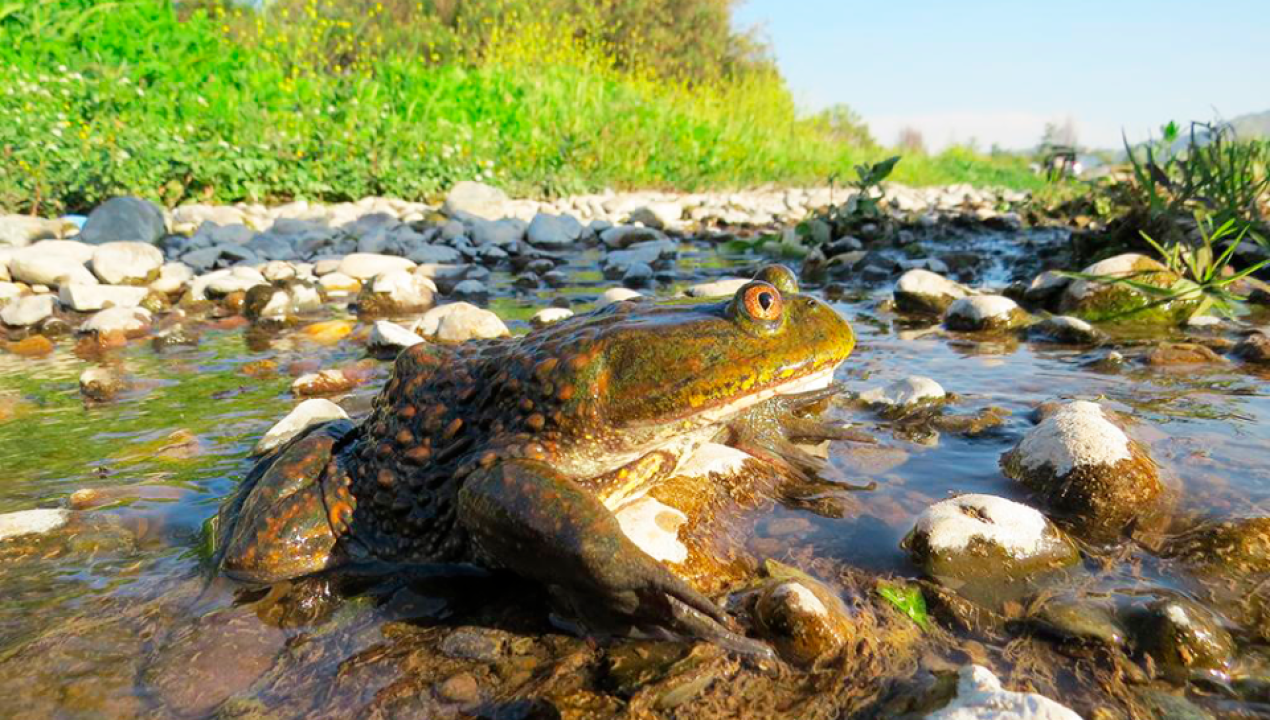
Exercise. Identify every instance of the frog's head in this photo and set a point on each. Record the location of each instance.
(678, 365)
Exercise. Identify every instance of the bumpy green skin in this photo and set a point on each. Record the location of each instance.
(501, 451)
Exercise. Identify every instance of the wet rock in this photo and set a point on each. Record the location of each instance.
(460, 688)
(1239, 545)
(397, 292)
(906, 392)
(1085, 467)
(468, 198)
(984, 313)
(1254, 349)
(547, 316)
(637, 275)
(977, 543)
(277, 272)
(1065, 330)
(718, 288)
(32, 346)
(27, 310)
(126, 263)
(101, 383)
(204, 662)
(364, 266)
(173, 278)
(22, 230)
(1079, 621)
(124, 219)
(239, 279)
(924, 292)
(35, 265)
(981, 697)
(1097, 301)
(129, 321)
(87, 298)
(801, 616)
(460, 321)
(31, 522)
(389, 336)
(1169, 354)
(1167, 706)
(266, 301)
(1046, 289)
(469, 643)
(174, 337)
(470, 288)
(1181, 636)
(326, 382)
(303, 416)
(624, 236)
(554, 231)
(615, 295)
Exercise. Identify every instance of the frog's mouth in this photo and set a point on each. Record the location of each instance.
(816, 381)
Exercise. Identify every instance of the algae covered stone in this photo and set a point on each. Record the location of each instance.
(1182, 636)
(802, 617)
(983, 541)
(1239, 545)
(1104, 301)
(1085, 467)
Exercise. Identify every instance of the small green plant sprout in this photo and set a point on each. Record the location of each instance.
(1204, 272)
(868, 177)
(908, 600)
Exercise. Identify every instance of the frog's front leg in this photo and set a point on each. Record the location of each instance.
(528, 518)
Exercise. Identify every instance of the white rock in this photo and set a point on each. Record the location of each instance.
(981, 697)
(277, 271)
(908, 391)
(337, 283)
(477, 200)
(718, 288)
(660, 215)
(9, 291)
(232, 283)
(34, 266)
(173, 278)
(1118, 266)
(84, 298)
(924, 291)
(982, 311)
(1075, 435)
(460, 321)
(306, 414)
(615, 295)
(125, 320)
(654, 528)
(365, 266)
(547, 316)
(713, 459)
(79, 251)
(951, 525)
(125, 263)
(404, 287)
(22, 230)
(28, 310)
(30, 522)
(385, 335)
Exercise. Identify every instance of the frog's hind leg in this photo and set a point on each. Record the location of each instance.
(526, 517)
(283, 522)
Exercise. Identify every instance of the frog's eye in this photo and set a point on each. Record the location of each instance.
(762, 302)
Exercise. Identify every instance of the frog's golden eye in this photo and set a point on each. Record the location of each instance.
(762, 302)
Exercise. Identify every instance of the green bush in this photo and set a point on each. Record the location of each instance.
(331, 101)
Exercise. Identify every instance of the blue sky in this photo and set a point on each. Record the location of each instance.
(996, 71)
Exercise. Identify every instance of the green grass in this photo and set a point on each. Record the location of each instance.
(100, 99)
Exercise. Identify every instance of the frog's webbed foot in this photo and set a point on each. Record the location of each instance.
(278, 524)
(526, 517)
(777, 431)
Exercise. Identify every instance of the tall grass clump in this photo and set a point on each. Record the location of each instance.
(331, 100)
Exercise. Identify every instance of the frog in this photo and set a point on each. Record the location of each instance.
(514, 453)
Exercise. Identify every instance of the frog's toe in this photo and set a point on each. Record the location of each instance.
(281, 523)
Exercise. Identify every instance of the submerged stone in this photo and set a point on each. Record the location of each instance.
(1182, 636)
(30, 522)
(1066, 330)
(802, 617)
(1240, 545)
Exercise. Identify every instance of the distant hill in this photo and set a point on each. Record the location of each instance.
(1253, 125)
